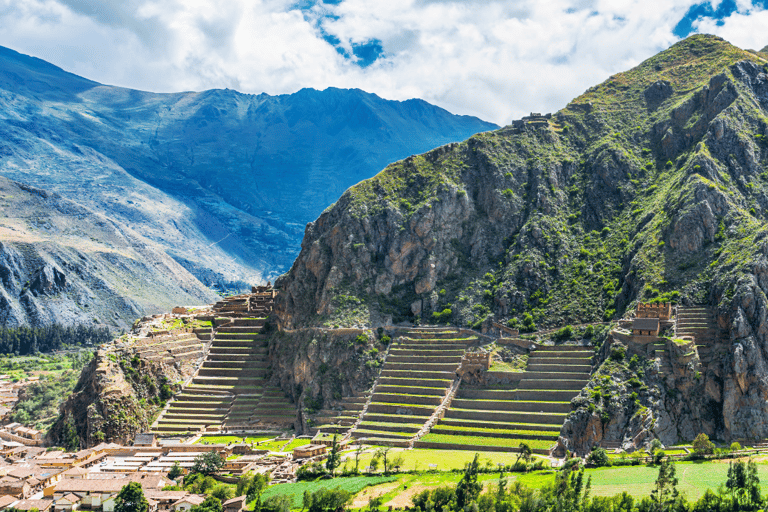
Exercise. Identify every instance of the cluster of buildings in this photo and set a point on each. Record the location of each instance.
(57, 481)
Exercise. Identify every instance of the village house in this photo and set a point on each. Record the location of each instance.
(234, 505)
(40, 505)
(187, 502)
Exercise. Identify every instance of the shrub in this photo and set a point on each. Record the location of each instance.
(735, 447)
(618, 353)
(702, 445)
(564, 334)
(442, 317)
(599, 457)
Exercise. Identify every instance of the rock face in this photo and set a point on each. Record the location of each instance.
(652, 184)
(318, 367)
(236, 174)
(111, 404)
(62, 263)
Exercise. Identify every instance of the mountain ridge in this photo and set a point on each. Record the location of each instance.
(652, 186)
(222, 179)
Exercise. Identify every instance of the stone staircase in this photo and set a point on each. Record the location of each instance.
(416, 377)
(700, 323)
(342, 417)
(499, 417)
(230, 390)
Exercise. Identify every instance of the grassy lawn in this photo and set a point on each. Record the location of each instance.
(695, 478)
(231, 439)
(296, 490)
(446, 460)
(484, 441)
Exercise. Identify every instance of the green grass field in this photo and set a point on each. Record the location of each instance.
(484, 441)
(446, 460)
(231, 439)
(296, 491)
(695, 478)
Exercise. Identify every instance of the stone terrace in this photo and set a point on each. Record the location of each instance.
(414, 381)
(700, 323)
(499, 417)
(230, 389)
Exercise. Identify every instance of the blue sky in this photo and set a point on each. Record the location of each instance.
(496, 59)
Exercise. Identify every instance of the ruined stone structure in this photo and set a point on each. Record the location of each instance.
(662, 310)
(231, 389)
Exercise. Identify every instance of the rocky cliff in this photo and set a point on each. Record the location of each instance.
(126, 385)
(651, 185)
(318, 367)
(62, 263)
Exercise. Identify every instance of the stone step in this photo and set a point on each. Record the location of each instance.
(549, 384)
(411, 390)
(511, 406)
(391, 427)
(446, 361)
(409, 382)
(396, 351)
(555, 376)
(564, 361)
(393, 418)
(572, 368)
(428, 347)
(418, 374)
(399, 398)
(422, 367)
(402, 409)
(449, 422)
(362, 433)
(564, 348)
(510, 417)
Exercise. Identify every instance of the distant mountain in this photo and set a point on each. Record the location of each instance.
(62, 263)
(224, 181)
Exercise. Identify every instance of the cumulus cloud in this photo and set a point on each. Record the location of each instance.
(491, 58)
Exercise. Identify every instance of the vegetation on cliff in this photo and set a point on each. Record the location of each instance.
(652, 186)
(649, 186)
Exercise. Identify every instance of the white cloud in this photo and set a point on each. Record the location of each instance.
(492, 58)
(746, 28)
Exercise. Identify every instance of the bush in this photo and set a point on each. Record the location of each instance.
(703, 446)
(442, 317)
(528, 324)
(735, 446)
(618, 353)
(565, 333)
(599, 457)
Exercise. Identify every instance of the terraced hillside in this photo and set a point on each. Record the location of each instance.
(532, 409)
(700, 323)
(230, 389)
(415, 379)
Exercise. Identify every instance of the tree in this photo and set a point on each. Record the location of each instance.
(334, 458)
(383, 452)
(211, 504)
(468, 488)
(326, 500)
(278, 503)
(208, 463)
(525, 453)
(131, 499)
(175, 471)
(665, 490)
(743, 485)
(358, 451)
(702, 445)
(599, 457)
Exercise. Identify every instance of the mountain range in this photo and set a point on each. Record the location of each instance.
(222, 182)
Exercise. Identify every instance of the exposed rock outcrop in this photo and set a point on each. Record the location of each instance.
(651, 183)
